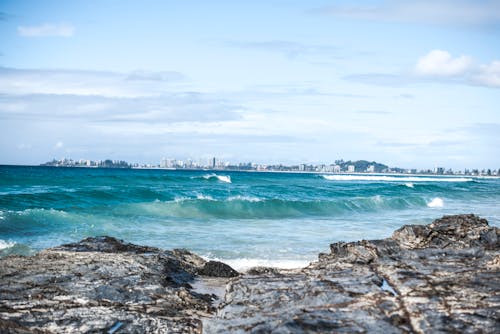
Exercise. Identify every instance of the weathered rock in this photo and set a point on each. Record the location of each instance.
(439, 278)
(217, 269)
(101, 283)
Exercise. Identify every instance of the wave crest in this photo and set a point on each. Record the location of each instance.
(213, 176)
(436, 203)
(386, 178)
(6, 244)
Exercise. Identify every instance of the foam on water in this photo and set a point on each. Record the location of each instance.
(337, 177)
(436, 203)
(204, 197)
(409, 185)
(221, 178)
(6, 244)
(243, 264)
(245, 198)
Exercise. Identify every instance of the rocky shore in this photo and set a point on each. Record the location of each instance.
(438, 278)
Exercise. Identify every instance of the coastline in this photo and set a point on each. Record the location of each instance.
(215, 170)
(438, 277)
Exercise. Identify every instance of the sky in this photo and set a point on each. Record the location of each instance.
(412, 84)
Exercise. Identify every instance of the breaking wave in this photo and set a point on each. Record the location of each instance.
(385, 178)
(244, 207)
(213, 176)
(436, 203)
(6, 244)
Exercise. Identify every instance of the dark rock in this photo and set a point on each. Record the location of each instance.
(437, 278)
(93, 285)
(217, 269)
(106, 244)
(262, 270)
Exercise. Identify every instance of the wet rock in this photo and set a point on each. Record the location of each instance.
(93, 285)
(441, 278)
(217, 269)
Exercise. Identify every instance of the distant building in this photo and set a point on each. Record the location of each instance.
(439, 170)
(370, 169)
(351, 169)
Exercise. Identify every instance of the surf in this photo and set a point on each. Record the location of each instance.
(384, 178)
(216, 177)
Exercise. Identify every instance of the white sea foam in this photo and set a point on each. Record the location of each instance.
(222, 178)
(337, 177)
(6, 244)
(244, 264)
(180, 199)
(436, 203)
(204, 197)
(409, 185)
(244, 198)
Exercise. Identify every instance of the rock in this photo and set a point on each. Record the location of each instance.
(105, 244)
(463, 231)
(97, 283)
(439, 278)
(217, 269)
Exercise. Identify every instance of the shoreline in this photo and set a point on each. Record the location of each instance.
(272, 171)
(435, 277)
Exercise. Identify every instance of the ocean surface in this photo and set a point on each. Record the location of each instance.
(242, 218)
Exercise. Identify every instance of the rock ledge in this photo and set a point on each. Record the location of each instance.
(441, 278)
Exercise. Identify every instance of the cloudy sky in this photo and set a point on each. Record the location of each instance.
(406, 83)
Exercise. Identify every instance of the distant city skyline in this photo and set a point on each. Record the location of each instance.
(411, 84)
(214, 163)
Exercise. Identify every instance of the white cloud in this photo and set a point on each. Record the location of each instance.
(58, 145)
(85, 83)
(47, 30)
(489, 75)
(438, 66)
(441, 63)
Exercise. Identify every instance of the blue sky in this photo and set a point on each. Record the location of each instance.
(407, 83)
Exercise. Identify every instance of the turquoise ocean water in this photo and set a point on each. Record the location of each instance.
(242, 218)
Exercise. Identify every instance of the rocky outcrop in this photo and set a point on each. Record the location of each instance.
(102, 285)
(439, 278)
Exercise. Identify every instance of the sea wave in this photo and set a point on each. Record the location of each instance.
(6, 244)
(221, 178)
(245, 198)
(245, 207)
(204, 197)
(385, 178)
(436, 203)
(14, 248)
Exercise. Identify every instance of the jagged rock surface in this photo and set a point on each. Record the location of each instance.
(439, 278)
(102, 284)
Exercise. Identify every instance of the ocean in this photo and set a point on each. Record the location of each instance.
(242, 218)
